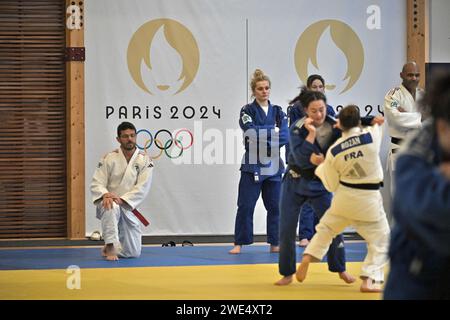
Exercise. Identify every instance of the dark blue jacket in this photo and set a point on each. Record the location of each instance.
(421, 204)
(300, 154)
(296, 112)
(259, 134)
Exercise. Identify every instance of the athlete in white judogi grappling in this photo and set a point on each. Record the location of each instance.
(352, 169)
(120, 184)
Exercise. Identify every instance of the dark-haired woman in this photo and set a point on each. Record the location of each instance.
(309, 140)
(308, 219)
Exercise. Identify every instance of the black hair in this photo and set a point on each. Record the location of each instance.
(124, 126)
(307, 96)
(436, 101)
(309, 82)
(349, 117)
(312, 78)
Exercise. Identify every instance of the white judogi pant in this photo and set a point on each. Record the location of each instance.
(376, 233)
(121, 228)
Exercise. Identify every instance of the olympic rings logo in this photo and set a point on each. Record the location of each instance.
(173, 146)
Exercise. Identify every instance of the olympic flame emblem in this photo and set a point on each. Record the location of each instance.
(345, 39)
(163, 57)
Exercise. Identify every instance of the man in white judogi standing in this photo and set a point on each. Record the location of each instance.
(401, 112)
(120, 183)
(352, 169)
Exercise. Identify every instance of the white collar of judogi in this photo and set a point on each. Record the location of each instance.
(351, 132)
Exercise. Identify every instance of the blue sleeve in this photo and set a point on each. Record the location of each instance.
(367, 121)
(330, 111)
(281, 138)
(300, 149)
(294, 113)
(422, 202)
(284, 129)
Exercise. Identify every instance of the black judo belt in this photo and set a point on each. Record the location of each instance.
(396, 141)
(363, 186)
(298, 172)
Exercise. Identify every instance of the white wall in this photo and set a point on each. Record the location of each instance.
(439, 30)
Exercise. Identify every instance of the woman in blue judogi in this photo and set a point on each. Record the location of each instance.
(265, 132)
(308, 219)
(310, 138)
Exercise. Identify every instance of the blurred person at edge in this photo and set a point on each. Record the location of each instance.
(420, 242)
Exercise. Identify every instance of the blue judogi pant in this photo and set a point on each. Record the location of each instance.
(249, 192)
(307, 222)
(290, 204)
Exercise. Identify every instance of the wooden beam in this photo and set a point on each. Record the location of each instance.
(418, 34)
(75, 123)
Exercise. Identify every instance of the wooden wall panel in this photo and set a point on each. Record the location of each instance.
(418, 34)
(75, 126)
(32, 119)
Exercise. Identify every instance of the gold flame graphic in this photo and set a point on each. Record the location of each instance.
(345, 39)
(179, 38)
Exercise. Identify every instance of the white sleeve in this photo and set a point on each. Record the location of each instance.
(409, 120)
(377, 134)
(99, 181)
(328, 174)
(137, 194)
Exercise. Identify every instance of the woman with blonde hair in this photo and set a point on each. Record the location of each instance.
(265, 131)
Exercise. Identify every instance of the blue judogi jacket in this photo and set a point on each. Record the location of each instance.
(421, 206)
(300, 153)
(259, 133)
(296, 112)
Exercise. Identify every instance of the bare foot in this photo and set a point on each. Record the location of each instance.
(284, 281)
(112, 257)
(303, 268)
(235, 250)
(348, 278)
(369, 285)
(109, 252)
(274, 249)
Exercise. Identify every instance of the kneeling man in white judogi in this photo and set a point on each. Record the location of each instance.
(352, 169)
(121, 182)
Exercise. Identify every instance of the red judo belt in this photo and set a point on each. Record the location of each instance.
(140, 217)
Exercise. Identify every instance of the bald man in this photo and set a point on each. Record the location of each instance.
(401, 112)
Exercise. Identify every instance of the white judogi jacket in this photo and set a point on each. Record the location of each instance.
(354, 159)
(401, 123)
(130, 181)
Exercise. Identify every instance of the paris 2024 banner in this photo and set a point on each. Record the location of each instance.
(179, 70)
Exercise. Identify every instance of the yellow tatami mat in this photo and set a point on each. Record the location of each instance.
(225, 282)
